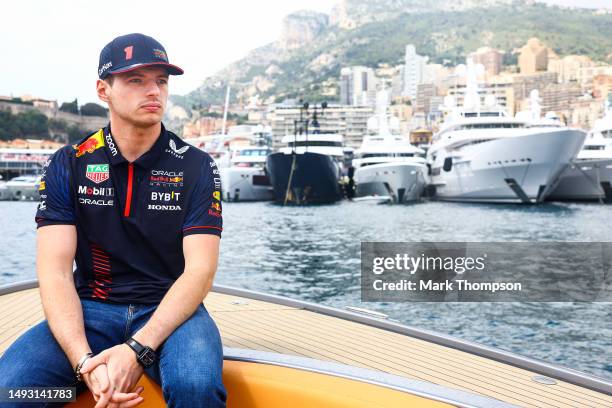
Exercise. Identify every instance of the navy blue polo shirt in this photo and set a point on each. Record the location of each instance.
(130, 217)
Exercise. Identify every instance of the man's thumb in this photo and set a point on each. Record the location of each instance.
(92, 363)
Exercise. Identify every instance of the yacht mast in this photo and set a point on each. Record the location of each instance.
(227, 95)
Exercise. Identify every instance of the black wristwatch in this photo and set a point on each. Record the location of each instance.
(145, 355)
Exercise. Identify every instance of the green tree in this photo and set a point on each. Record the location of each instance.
(70, 107)
(58, 124)
(32, 124)
(8, 126)
(93, 109)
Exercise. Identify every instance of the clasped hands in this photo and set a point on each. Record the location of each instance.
(111, 376)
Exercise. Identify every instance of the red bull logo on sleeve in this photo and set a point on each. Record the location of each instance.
(216, 207)
(92, 143)
(217, 195)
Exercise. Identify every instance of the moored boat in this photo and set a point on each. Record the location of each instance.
(278, 349)
(481, 154)
(308, 167)
(387, 167)
(245, 179)
(23, 188)
(589, 177)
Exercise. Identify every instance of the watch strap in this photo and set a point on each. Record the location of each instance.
(134, 345)
(144, 355)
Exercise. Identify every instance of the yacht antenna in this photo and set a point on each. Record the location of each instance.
(306, 105)
(382, 102)
(471, 100)
(227, 95)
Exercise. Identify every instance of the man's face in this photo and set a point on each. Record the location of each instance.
(139, 96)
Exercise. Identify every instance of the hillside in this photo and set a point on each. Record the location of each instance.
(313, 47)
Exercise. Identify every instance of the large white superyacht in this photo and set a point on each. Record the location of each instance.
(589, 177)
(387, 167)
(481, 154)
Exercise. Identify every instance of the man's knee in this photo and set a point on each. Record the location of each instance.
(191, 364)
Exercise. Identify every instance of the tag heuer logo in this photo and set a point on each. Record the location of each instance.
(97, 172)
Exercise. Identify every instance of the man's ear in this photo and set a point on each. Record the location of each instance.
(102, 89)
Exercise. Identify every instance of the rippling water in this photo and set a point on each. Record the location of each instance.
(312, 253)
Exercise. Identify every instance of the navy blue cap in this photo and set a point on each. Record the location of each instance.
(133, 51)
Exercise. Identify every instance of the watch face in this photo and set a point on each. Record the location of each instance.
(147, 357)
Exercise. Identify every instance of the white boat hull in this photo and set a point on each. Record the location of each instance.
(245, 184)
(395, 182)
(585, 180)
(21, 192)
(4, 192)
(517, 169)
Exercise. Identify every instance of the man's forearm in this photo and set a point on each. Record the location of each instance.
(179, 303)
(55, 254)
(64, 314)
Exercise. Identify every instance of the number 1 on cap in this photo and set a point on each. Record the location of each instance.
(128, 52)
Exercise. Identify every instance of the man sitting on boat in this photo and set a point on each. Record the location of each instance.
(138, 210)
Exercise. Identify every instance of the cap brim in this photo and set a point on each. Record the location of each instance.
(172, 69)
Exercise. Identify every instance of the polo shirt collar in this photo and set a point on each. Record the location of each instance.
(146, 160)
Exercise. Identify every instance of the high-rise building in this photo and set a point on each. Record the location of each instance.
(569, 67)
(533, 57)
(358, 86)
(490, 58)
(587, 74)
(349, 121)
(414, 69)
(584, 112)
(524, 84)
(502, 90)
(559, 97)
(424, 94)
(397, 83)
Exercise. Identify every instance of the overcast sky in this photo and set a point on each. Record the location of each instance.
(50, 49)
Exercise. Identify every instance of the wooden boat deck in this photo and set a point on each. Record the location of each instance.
(246, 323)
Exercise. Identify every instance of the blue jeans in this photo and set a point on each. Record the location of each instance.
(189, 366)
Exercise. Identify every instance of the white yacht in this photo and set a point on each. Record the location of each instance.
(481, 154)
(387, 167)
(27, 163)
(245, 178)
(23, 188)
(240, 155)
(220, 146)
(589, 177)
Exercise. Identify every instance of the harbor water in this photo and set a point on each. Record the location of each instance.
(313, 254)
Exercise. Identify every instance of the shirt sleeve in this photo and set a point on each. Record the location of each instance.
(56, 205)
(204, 211)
